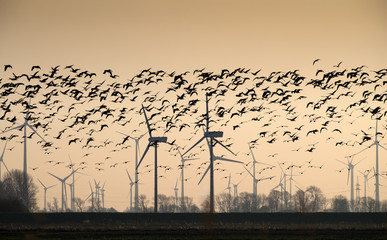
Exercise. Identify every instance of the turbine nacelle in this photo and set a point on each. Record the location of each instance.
(214, 134)
(158, 139)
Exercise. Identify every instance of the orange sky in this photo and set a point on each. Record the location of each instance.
(128, 36)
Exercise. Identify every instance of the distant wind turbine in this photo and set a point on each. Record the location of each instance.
(64, 192)
(176, 190)
(365, 176)
(259, 179)
(137, 154)
(152, 141)
(2, 159)
(183, 160)
(280, 185)
(377, 184)
(351, 168)
(24, 126)
(212, 136)
(255, 182)
(131, 188)
(45, 193)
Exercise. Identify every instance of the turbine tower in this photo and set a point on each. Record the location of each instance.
(351, 168)
(291, 180)
(183, 160)
(72, 186)
(137, 154)
(131, 188)
(284, 178)
(212, 136)
(45, 193)
(259, 179)
(176, 193)
(229, 185)
(2, 159)
(282, 188)
(152, 141)
(377, 184)
(64, 192)
(24, 126)
(255, 194)
(365, 176)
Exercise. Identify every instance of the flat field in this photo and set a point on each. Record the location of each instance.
(194, 226)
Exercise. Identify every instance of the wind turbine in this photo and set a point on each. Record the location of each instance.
(45, 192)
(291, 180)
(131, 187)
(284, 178)
(152, 141)
(72, 186)
(137, 141)
(103, 195)
(365, 176)
(229, 185)
(64, 192)
(258, 180)
(176, 193)
(183, 160)
(97, 193)
(282, 188)
(212, 136)
(92, 197)
(351, 168)
(25, 125)
(254, 182)
(377, 184)
(2, 159)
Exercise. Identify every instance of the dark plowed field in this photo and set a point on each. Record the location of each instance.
(194, 226)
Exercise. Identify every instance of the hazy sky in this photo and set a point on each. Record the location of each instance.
(175, 35)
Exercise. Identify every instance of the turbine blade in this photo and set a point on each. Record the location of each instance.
(208, 168)
(2, 155)
(176, 183)
(51, 186)
(250, 173)
(5, 165)
(194, 145)
(227, 160)
(41, 183)
(382, 147)
(146, 119)
(142, 136)
(18, 127)
(129, 175)
(342, 162)
(90, 187)
(363, 149)
(33, 129)
(122, 133)
(143, 155)
(55, 176)
(221, 144)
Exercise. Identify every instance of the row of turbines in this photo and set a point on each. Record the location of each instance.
(211, 138)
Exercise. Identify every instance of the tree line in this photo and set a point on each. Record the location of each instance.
(312, 199)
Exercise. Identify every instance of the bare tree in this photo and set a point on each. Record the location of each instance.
(79, 203)
(166, 203)
(301, 201)
(224, 202)
(274, 200)
(205, 205)
(316, 199)
(340, 204)
(143, 203)
(12, 188)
